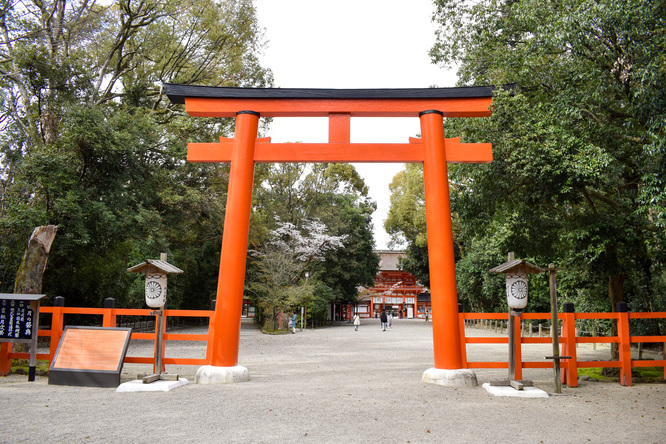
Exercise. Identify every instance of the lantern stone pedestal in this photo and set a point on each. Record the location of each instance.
(156, 271)
(450, 378)
(161, 385)
(516, 271)
(527, 392)
(210, 374)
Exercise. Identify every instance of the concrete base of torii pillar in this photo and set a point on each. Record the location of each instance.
(450, 378)
(209, 374)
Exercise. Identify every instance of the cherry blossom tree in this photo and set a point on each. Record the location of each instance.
(282, 263)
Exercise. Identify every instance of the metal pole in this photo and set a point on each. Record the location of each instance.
(554, 329)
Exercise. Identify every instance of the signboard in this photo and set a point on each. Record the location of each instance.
(19, 322)
(90, 356)
(16, 319)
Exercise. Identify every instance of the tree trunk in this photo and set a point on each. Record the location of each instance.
(615, 294)
(31, 270)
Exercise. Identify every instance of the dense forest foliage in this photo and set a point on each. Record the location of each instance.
(90, 143)
(579, 171)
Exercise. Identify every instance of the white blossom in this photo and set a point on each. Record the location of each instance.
(307, 245)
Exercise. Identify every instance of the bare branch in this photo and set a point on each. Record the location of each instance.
(602, 197)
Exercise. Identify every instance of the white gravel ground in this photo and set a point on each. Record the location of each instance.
(334, 385)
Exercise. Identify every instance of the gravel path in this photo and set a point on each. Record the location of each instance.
(334, 385)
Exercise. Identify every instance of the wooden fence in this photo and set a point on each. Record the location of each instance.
(110, 319)
(568, 339)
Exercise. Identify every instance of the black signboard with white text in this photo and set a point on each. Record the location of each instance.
(19, 322)
(16, 318)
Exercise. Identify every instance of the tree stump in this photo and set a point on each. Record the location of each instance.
(31, 271)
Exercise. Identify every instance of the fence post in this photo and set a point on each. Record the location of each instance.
(570, 373)
(160, 329)
(56, 325)
(624, 346)
(517, 348)
(463, 345)
(211, 323)
(5, 362)
(109, 319)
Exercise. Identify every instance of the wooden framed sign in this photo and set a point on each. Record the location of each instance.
(90, 356)
(19, 322)
(16, 317)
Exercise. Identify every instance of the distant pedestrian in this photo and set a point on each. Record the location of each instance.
(426, 316)
(384, 319)
(389, 318)
(357, 321)
(293, 324)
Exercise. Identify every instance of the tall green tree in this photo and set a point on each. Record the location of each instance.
(90, 143)
(335, 195)
(406, 220)
(281, 278)
(578, 170)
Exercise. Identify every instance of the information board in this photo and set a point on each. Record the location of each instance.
(90, 356)
(19, 322)
(16, 318)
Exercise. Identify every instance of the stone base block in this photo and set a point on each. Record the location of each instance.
(209, 374)
(138, 385)
(527, 392)
(450, 378)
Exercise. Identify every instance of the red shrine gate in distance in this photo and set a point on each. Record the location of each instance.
(247, 105)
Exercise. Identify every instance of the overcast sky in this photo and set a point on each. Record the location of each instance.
(352, 44)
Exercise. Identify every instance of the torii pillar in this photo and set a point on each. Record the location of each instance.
(430, 105)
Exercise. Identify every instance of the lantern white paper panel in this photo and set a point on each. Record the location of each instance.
(156, 286)
(516, 290)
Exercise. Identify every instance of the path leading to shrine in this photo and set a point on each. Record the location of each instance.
(334, 385)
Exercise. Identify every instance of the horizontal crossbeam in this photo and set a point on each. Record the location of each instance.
(412, 152)
(177, 93)
(228, 107)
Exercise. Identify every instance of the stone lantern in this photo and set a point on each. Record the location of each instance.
(516, 271)
(156, 279)
(156, 289)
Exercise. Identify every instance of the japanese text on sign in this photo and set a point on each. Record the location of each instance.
(15, 319)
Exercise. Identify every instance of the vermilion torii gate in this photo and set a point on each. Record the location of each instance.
(430, 105)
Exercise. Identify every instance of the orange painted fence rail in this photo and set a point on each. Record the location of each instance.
(109, 319)
(568, 340)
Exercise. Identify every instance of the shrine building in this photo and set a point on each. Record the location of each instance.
(394, 290)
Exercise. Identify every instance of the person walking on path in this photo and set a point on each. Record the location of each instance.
(384, 319)
(357, 321)
(426, 316)
(389, 318)
(293, 324)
